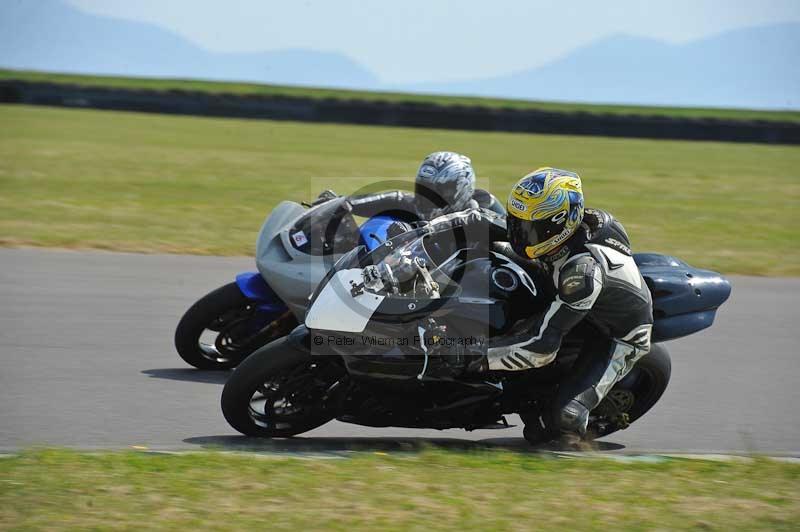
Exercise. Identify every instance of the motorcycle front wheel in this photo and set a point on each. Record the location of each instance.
(280, 391)
(215, 333)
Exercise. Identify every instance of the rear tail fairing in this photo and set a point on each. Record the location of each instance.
(685, 299)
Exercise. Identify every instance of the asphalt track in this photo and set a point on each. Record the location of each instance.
(88, 362)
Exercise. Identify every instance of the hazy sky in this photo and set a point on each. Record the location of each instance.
(477, 38)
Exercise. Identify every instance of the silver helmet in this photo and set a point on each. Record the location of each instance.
(445, 183)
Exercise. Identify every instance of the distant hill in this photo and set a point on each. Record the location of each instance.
(753, 67)
(52, 35)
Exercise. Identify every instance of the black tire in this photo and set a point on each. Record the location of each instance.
(206, 314)
(266, 368)
(640, 390)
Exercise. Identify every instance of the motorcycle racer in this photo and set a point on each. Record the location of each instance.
(445, 183)
(588, 254)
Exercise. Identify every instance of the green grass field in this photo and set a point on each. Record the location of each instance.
(60, 490)
(153, 183)
(307, 92)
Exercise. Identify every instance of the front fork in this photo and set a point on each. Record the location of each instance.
(281, 326)
(266, 301)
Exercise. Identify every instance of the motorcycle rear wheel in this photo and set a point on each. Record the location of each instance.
(279, 391)
(636, 394)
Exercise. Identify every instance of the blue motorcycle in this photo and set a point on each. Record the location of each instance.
(295, 249)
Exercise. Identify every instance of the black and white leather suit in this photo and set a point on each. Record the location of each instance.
(595, 279)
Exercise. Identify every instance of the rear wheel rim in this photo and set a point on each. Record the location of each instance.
(637, 392)
(622, 400)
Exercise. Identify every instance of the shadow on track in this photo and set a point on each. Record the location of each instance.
(343, 445)
(187, 374)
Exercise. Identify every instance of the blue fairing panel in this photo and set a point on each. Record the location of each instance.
(685, 299)
(682, 325)
(375, 231)
(254, 287)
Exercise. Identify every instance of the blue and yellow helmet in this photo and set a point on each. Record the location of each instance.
(545, 208)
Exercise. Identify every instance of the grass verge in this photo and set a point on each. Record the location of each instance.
(155, 183)
(219, 87)
(54, 489)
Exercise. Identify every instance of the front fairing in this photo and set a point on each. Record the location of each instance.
(404, 336)
(483, 291)
(343, 303)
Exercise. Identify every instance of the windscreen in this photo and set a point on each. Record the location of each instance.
(408, 270)
(326, 229)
